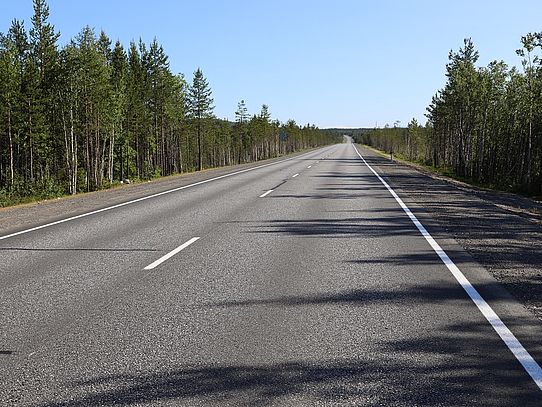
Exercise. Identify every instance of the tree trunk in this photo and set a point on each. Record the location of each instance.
(11, 170)
(73, 145)
(111, 155)
(180, 153)
(199, 145)
(67, 153)
(31, 146)
(529, 153)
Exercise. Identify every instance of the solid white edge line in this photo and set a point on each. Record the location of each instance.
(266, 193)
(522, 355)
(170, 254)
(146, 197)
(295, 175)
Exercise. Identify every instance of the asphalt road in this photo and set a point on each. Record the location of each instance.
(320, 292)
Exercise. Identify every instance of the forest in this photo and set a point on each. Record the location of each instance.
(484, 126)
(90, 114)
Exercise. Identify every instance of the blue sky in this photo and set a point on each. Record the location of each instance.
(341, 63)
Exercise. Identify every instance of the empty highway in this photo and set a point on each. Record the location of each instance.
(303, 281)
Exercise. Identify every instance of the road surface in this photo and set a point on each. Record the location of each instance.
(300, 282)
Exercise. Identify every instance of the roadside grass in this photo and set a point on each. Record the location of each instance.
(22, 192)
(37, 193)
(9, 199)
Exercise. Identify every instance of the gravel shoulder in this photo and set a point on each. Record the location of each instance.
(501, 231)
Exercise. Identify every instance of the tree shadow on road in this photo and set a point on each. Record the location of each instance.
(458, 365)
(441, 293)
(345, 227)
(501, 231)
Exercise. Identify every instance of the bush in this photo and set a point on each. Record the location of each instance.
(23, 191)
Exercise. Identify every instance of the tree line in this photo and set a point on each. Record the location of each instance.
(484, 125)
(91, 113)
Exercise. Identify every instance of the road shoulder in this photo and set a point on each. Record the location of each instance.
(501, 231)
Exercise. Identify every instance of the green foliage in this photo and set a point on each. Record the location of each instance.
(199, 108)
(89, 115)
(409, 143)
(484, 126)
(22, 192)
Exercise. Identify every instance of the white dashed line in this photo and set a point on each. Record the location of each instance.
(266, 193)
(170, 254)
(522, 355)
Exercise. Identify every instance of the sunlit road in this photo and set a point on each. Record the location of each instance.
(299, 283)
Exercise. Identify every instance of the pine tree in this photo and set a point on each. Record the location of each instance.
(9, 95)
(174, 118)
(119, 72)
(200, 107)
(241, 118)
(241, 114)
(529, 43)
(158, 75)
(44, 55)
(136, 94)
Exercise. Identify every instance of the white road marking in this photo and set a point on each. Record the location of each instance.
(144, 198)
(309, 166)
(515, 346)
(266, 193)
(295, 175)
(170, 254)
